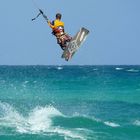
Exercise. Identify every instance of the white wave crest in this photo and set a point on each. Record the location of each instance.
(112, 124)
(119, 68)
(137, 123)
(40, 118)
(59, 68)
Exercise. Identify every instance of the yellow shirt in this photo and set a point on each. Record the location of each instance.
(56, 24)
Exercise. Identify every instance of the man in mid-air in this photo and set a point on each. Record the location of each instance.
(58, 31)
(69, 44)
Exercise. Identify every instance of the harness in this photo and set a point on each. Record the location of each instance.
(61, 36)
(59, 31)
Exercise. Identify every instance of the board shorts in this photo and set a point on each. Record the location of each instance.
(63, 40)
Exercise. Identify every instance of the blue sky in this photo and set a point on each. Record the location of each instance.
(114, 32)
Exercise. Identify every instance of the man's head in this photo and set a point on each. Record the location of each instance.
(58, 16)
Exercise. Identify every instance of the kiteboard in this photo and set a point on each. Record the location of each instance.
(75, 44)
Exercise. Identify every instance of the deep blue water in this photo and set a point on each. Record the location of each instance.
(70, 102)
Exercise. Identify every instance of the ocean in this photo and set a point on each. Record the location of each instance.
(70, 102)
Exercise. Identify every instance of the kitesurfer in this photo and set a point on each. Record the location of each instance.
(58, 31)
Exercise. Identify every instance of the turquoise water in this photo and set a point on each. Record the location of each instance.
(69, 102)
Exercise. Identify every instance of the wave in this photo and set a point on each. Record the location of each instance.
(38, 121)
(88, 121)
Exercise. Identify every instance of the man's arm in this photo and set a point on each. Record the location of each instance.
(46, 18)
(49, 23)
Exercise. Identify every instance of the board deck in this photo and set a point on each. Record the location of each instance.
(75, 43)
